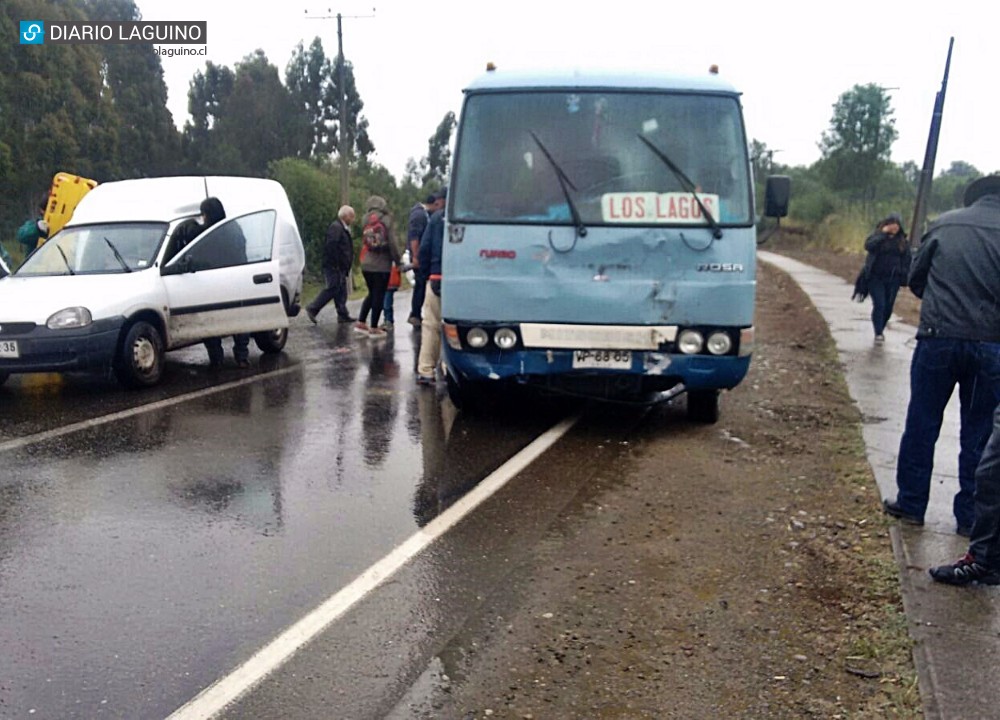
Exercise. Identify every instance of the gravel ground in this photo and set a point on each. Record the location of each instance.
(736, 570)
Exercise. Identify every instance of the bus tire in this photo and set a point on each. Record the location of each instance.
(468, 397)
(703, 406)
(272, 341)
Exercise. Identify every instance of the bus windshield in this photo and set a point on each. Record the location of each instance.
(597, 158)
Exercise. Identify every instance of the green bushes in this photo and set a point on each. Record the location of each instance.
(313, 195)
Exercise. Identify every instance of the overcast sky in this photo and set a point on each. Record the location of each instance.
(791, 60)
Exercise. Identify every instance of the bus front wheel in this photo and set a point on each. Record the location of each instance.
(469, 397)
(703, 406)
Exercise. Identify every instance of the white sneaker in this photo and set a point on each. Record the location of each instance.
(879, 339)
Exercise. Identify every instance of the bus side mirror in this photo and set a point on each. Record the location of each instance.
(776, 195)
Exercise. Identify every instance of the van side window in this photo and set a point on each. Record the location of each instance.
(239, 241)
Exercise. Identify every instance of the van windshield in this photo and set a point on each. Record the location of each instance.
(97, 249)
(596, 143)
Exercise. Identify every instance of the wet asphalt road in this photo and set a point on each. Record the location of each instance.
(152, 541)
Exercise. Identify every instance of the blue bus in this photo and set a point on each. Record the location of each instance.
(600, 239)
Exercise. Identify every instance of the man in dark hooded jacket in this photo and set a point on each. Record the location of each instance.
(956, 273)
(228, 248)
(981, 564)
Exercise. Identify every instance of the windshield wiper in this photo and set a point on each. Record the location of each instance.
(687, 184)
(581, 230)
(65, 260)
(118, 256)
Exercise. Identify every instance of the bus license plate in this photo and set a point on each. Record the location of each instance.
(8, 349)
(607, 359)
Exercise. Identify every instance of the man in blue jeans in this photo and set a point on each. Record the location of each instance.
(956, 273)
(981, 564)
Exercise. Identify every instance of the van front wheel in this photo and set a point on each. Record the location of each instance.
(271, 342)
(140, 357)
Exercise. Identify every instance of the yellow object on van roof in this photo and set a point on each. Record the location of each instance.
(65, 194)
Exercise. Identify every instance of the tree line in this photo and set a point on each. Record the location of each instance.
(100, 111)
(854, 173)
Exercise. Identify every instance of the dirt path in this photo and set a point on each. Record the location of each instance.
(740, 570)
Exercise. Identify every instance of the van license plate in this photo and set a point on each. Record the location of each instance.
(8, 349)
(607, 359)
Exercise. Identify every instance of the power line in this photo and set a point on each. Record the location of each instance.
(342, 82)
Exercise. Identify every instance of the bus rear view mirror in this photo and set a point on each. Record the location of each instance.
(776, 195)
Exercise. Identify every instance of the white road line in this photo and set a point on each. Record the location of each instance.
(215, 698)
(21, 442)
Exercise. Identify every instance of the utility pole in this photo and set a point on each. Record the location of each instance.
(342, 148)
(927, 173)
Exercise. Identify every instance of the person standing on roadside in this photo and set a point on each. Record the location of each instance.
(887, 265)
(956, 273)
(431, 248)
(420, 214)
(981, 563)
(228, 249)
(34, 231)
(338, 255)
(378, 254)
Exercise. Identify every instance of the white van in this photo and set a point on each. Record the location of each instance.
(110, 291)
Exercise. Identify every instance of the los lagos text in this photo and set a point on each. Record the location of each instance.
(650, 207)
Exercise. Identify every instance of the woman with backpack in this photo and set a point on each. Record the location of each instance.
(378, 254)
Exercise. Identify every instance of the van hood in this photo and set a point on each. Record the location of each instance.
(35, 299)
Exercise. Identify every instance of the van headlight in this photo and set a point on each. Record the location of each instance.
(68, 318)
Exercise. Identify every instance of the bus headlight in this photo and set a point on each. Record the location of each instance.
(477, 338)
(690, 342)
(505, 338)
(719, 343)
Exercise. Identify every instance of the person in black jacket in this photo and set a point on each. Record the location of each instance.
(887, 264)
(956, 273)
(981, 564)
(338, 255)
(227, 248)
(431, 250)
(420, 215)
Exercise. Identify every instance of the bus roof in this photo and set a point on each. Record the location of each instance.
(597, 80)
